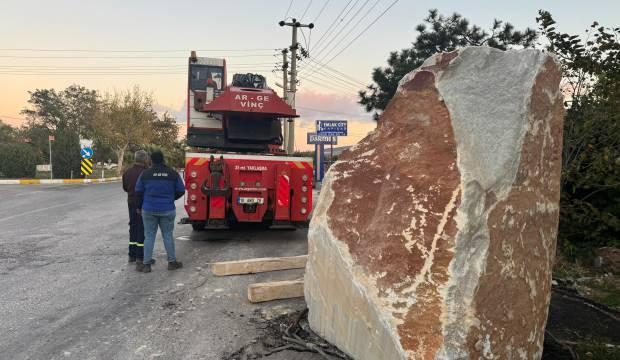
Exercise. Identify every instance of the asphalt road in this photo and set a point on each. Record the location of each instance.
(67, 292)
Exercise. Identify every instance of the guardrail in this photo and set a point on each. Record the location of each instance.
(56, 181)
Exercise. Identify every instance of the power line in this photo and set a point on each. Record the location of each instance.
(342, 85)
(325, 85)
(333, 22)
(305, 11)
(96, 73)
(321, 11)
(341, 29)
(119, 57)
(304, 36)
(350, 30)
(289, 9)
(333, 73)
(327, 111)
(130, 51)
(344, 16)
(341, 82)
(331, 69)
(359, 35)
(119, 67)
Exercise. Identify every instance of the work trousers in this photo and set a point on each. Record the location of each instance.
(165, 222)
(136, 234)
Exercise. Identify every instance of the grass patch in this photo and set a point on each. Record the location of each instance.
(596, 284)
(597, 350)
(604, 290)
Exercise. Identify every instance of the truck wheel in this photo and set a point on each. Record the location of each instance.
(199, 226)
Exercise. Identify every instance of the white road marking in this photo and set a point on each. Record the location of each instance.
(28, 192)
(39, 210)
(183, 238)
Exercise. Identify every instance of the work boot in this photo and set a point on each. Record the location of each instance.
(139, 266)
(173, 265)
(131, 259)
(146, 268)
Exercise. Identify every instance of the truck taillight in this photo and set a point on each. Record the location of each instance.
(193, 186)
(192, 197)
(303, 210)
(304, 199)
(193, 174)
(192, 209)
(284, 190)
(304, 177)
(304, 188)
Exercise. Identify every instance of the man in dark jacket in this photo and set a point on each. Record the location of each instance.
(157, 189)
(136, 228)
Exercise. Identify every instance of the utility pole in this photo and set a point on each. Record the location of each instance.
(285, 92)
(51, 138)
(290, 145)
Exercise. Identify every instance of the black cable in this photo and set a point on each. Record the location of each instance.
(333, 73)
(341, 29)
(344, 17)
(360, 34)
(289, 9)
(351, 29)
(325, 85)
(341, 82)
(118, 57)
(333, 22)
(305, 11)
(128, 51)
(120, 67)
(337, 82)
(339, 72)
(320, 11)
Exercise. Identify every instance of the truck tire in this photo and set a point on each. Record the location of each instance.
(198, 226)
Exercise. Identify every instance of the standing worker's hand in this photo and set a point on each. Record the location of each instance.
(139, 211)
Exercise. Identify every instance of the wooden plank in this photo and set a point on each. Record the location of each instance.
(274, 290)
(258, 265)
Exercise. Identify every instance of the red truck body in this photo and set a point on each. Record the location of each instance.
(237, 171)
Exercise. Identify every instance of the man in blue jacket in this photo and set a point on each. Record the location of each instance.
(157, 189)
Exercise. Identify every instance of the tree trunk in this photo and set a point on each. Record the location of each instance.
(120, 154)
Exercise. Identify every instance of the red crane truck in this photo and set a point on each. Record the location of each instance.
(236, 170)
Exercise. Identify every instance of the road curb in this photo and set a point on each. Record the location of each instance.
(57, 181)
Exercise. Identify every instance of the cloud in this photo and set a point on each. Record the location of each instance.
(319, 105)
(312, 106)
(179, 113)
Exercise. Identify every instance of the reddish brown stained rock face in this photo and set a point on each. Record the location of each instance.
(396, 206)
(433, 238)
(515, 287)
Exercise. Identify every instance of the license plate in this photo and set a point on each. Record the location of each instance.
(250, 200)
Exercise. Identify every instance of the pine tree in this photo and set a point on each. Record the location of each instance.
(438, 33)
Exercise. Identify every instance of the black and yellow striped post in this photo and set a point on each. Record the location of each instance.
(86, 167)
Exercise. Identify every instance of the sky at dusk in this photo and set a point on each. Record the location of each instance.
(245, 33)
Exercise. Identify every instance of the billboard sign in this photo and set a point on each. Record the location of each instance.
(331, 127)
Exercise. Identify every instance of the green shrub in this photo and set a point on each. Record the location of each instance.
(66, 154)
(17, 160)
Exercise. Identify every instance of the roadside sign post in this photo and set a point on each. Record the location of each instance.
(331, 128)
(50, 139)
(86, 152)
(319, 142)
(86, 165)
